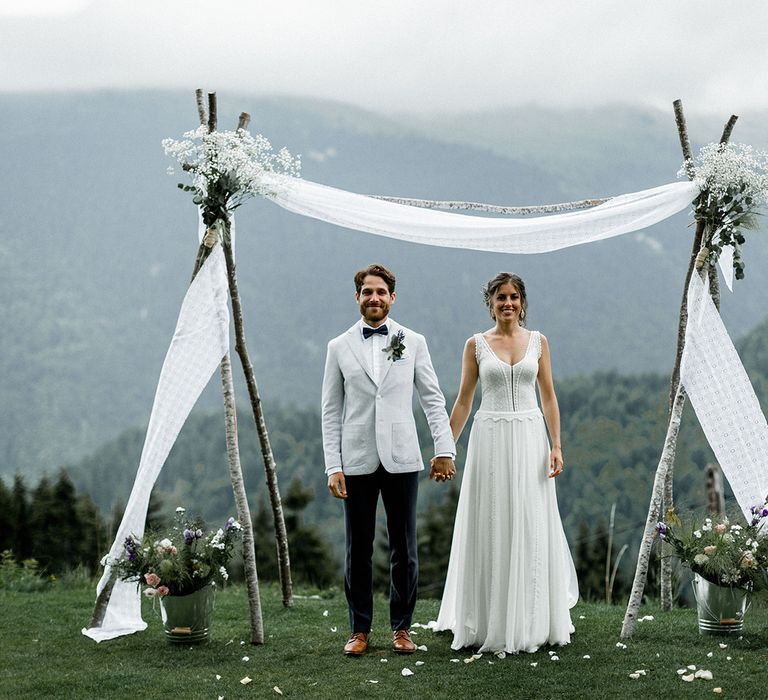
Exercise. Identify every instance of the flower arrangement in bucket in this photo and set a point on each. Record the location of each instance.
(180, 567)
(728, 560)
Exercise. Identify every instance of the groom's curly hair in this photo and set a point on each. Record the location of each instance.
(379, 271)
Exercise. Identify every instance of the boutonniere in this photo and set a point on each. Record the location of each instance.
(396, 347)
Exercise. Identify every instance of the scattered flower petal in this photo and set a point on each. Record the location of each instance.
(406, 672)
(582, 617)
(455, 661)
(641, 672)
(723, 646)
(621, 645)
(709, 655)
(422, 647)
(680, 671)
(727, 658)
(277, 690)
(384, 660)
(534, 663)
(687, 678)
(586, 656)
(246, 658)
(717, 690)
(419, 663)
(704, 675)
(501, 655)
(325, 613)
(477, 656)
(551, 653)
(246, 680)
(334, 629)
(469, 660)
(691, 667)
(554, 658)
(634, 676)
(373, 681)
(218, 677)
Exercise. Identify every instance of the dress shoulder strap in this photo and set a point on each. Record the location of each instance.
(480, 343)
(536, 342)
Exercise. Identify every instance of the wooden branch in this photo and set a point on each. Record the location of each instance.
(244, 121)
(728, 129)
(682, 132)
(493, 208)
(212, 112)
(201, 107)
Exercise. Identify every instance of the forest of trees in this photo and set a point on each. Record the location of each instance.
(613, 427)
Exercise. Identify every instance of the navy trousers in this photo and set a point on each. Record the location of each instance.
(398, 493)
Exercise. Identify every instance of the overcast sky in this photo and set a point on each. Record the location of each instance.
(398, 55)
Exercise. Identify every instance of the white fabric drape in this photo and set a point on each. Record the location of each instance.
(199, 342)
(621, 214)
(724, 400)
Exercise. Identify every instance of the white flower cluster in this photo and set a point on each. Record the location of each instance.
(217, 541)
(723, 169)
(231, 162)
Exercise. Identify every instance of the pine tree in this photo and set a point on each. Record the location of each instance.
(6, 518)
(22, 540)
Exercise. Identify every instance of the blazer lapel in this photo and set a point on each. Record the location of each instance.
(358, 348)
(393, 328)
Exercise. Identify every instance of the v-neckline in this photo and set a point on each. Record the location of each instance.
(508, 364)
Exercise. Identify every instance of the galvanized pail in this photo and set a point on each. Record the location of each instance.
(721, 608)
(187, 618)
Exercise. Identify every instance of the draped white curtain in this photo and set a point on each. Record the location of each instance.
(542, 234)
(724, 400)
(199, 342)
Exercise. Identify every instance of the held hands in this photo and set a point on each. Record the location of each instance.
(337, 486)
(443, 469)
(555, 462)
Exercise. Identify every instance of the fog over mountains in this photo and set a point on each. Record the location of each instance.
(97, 245)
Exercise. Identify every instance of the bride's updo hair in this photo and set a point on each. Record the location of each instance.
(490, 289)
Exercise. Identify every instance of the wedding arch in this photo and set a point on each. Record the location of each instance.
(707, 367)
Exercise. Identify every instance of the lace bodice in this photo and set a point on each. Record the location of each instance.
(506, 387)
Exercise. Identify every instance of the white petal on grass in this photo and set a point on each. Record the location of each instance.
(218, 677)
(277, 690)
(455, 661)
(717, 690)
(477, 656)
(704, 674)
(634, 676)
(554, 658)
(723, 646)
(406, 672)
(501, 655)
(325, 613)
(419, 663)
(334, 629)
(551, 653)
(582, 617)
(680, 671)
(709, 655)
(621, 645)
(586, 656)
(534, 663)
(422, 647)
(727, 658)
(688, 678)
(246, 680)
(373, 681)
(384, 660)
(691, 667)
(246, 658)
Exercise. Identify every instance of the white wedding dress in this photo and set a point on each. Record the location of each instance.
(511, 579)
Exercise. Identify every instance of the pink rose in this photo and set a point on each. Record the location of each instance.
(173, 549)
(710, 549)
(721, 528)
(162, 591)
(152, 579)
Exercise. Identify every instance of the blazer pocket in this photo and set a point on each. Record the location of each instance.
(354, 444)
(405, 443)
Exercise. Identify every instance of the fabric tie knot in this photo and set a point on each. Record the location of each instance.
(368, 332)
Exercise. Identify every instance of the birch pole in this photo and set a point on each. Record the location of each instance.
(233, 449)
(699, 240)
(662, 484)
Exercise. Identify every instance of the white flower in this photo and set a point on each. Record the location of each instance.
(697, 534)
(700, 559)
(179, 510)
(223, 573)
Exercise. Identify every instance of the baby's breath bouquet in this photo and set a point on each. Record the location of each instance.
(734, 184)
(227, 168)
(722, 552)
(178, 561)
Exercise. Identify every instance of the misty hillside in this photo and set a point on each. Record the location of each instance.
(97, 246)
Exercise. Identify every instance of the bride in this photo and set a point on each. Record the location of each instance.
(511, 579)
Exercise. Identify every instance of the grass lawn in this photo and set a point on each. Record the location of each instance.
(44, 655)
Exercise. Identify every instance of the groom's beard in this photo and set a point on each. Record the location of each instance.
(374, 313)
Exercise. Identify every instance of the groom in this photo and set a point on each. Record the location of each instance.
(371, 448)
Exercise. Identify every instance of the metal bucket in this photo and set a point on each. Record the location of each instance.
(187, 618)
(721, 608)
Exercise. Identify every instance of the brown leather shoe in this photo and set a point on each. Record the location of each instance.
(357, 644)
(402, 642)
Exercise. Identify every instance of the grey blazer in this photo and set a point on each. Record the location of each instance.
(365, 423)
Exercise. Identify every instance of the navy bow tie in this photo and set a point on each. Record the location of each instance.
(368, 332)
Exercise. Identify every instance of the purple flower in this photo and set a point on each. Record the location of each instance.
(230, 524)
(764, 513)
(189, 536)
(130, 548)
(661, 528)
(199, 533)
